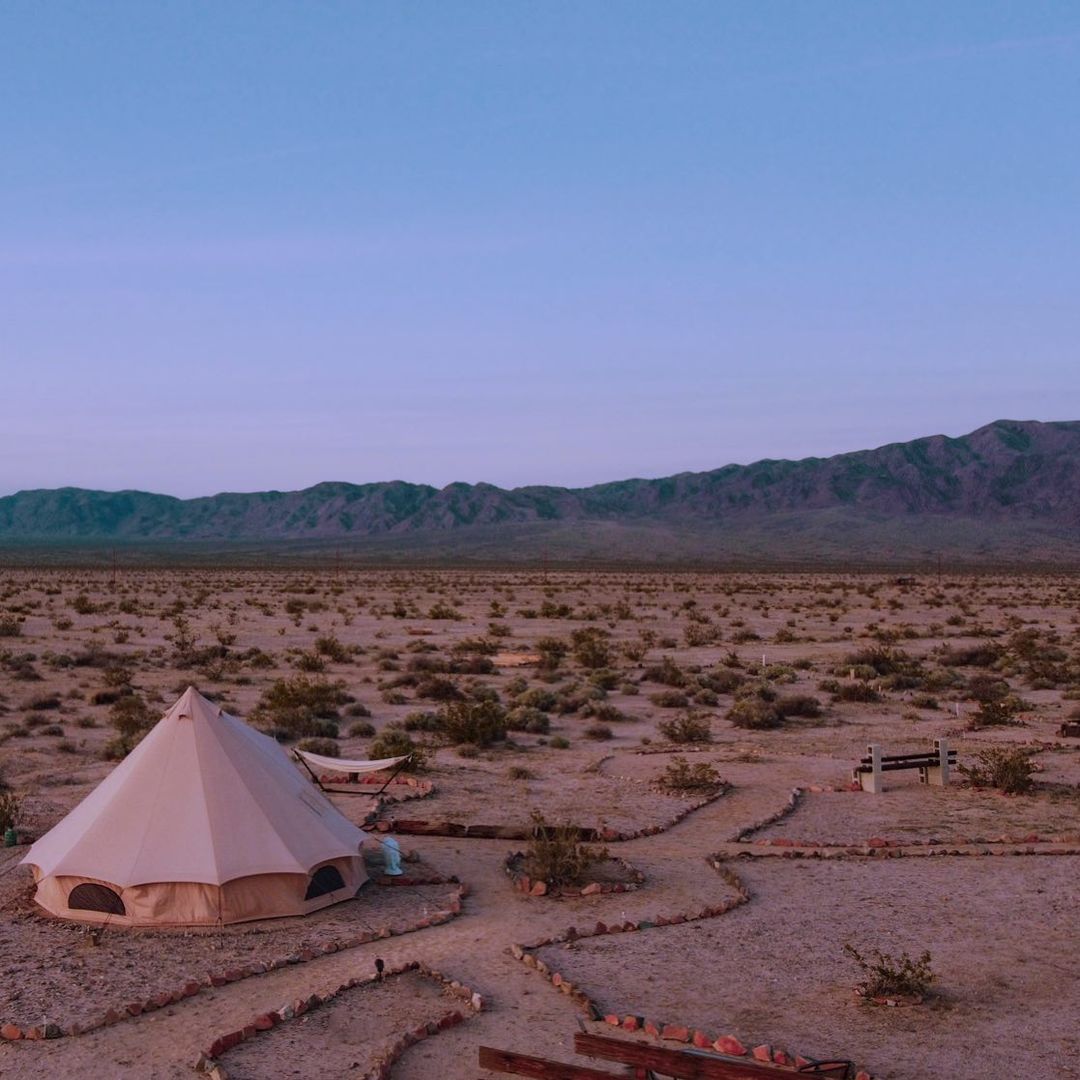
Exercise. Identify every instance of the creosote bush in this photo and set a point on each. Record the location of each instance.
(888, 976)
(680, 776)
(299, 707)
(1007, 770)
(396, 743)
(316, 745)
(9, 811)
(689, 728)
(556, 855)
(479, 723)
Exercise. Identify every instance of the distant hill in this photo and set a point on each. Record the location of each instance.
(1009, 491)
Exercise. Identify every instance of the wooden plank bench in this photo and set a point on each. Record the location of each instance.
(643, 1059)
(697, 1064)
(933, 766)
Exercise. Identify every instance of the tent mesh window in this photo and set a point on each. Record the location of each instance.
(90, 897)
(326, 879)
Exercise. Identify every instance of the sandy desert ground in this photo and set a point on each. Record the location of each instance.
(596, 672)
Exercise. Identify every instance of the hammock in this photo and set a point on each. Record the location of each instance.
(343, 765)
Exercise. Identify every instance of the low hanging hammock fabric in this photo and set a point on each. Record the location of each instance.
(344, 765)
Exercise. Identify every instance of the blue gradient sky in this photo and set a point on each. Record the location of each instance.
(254, 245)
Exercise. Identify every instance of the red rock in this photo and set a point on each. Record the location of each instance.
(592, 889)
(539, 888)
(780, 1058)
(612, 1019)
(701, 1040)
(135, 1008)
(218, 980)
(264, 1022)
(728, 1044)
(601, 928)
(10, 1032)
(762, 1052)
(191, 989)
(631, 1023)
(674, 1031)
(877, 842)
(651, 1029)
(34, 1033)
(863, 1075)
(163, 999)
(111, 1017)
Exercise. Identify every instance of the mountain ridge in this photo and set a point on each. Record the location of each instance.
(1008, 476)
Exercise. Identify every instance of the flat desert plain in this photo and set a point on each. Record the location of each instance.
(713, 718)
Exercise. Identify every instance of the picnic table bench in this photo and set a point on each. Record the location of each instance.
(933, 765)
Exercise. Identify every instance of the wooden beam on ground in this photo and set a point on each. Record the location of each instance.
(686, 1064)
(505, 1061)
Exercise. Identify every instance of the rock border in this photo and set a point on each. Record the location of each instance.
(603, 834)
(207, 1061)
(655, 1029)
(13, 1032)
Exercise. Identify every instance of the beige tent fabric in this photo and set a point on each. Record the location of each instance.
(348, 765)
(206, 820)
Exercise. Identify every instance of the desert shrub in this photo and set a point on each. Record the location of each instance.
(665, 672)
(317, 745)
(997, 713)
(86, 722)
(357, 708)
(670, 699)
(1007, 770)
(536, 698)
(551, 651)
(42, 702)
(985, 655)
(755, 714)
(798, 705)
(519, 772)
(604, 711)
(604, 678)
(132, 718)
(925, 701)
(54, 730)
(680, 775)
(438, 688)
(472, 664)
(722, 680)
(329, 646)
(396, 743)
(9, 811)
(442, 610)
(83, 605)
(310, 662)
(479, 723)
(559, 743)
(599, 732)
(10, 626)
(525, 718)
(301, 707)
(888, 976)
(590, 647)
(556, 855)
(879, 660)
(987, 688)
(420, 721)
(854, 691)
(688, 728)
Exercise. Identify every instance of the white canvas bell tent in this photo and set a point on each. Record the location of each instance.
(206, 821)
